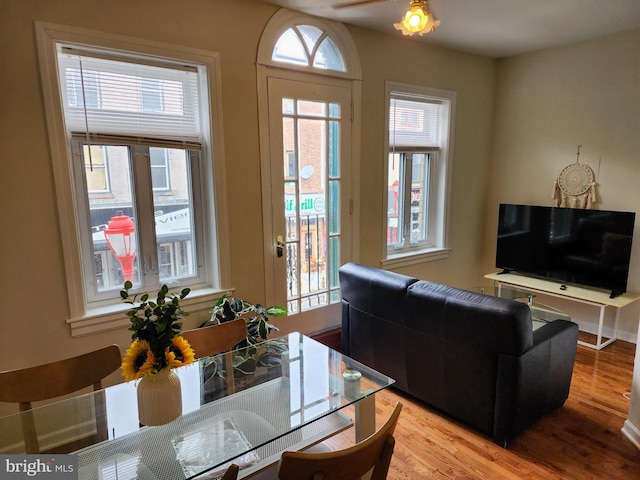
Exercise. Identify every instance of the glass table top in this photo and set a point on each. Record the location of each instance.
(294, 403)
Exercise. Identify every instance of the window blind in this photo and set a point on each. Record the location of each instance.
(413, 123)
(128, 97)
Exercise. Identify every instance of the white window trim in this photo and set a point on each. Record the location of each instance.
(440, 184)
(82, 319)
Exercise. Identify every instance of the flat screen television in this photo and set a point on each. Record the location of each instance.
(568, 245)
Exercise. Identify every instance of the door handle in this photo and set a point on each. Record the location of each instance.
(280, 245)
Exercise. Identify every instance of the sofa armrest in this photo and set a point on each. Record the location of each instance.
(536, 382)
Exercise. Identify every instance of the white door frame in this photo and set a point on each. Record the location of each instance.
(352, 163)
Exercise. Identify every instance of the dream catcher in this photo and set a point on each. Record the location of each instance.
(575, 187)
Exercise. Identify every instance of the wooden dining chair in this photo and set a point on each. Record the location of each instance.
(215, 339)
(371, 455)
(55, 379)
(231, 473)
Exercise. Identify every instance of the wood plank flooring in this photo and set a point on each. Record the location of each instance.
(582, 440)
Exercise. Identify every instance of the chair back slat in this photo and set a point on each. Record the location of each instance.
(372, 454)
(231, 473)
(51, 380)
(216, 339)
(43, 382)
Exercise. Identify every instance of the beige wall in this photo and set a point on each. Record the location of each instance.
(32, 268)
(473, 78)
(548, 103)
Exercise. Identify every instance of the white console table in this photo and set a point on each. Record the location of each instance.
(597, 298)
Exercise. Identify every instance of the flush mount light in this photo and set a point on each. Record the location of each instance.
(418, 19)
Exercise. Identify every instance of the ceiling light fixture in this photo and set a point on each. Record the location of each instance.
(418, 19)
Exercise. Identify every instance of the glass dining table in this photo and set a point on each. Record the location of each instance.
(298, 401)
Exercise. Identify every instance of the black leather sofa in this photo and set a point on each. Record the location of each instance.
(471, 356)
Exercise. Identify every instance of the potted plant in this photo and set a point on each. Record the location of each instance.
(157, 347)
(252, 353)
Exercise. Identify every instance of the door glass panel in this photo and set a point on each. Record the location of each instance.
(288, 105)
(334, 255)
(334, 110)
(312, 203)
(317, 109)
(334, 207)
(293, 281)
(334, 149)
(289, 149)
(291, 210)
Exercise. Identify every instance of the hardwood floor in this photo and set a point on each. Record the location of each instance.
(581, 440)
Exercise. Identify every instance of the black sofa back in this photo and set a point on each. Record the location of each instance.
(472, 356)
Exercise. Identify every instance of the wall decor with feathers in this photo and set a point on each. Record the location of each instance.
(575, 187)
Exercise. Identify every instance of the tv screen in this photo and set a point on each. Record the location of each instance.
(584, 247)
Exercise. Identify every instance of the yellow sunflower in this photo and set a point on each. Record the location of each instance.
(138, 361)
(179, 353)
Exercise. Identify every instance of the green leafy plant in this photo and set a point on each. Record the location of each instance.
(255, 353)
(156, 326)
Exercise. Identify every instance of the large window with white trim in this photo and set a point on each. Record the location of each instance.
(138, 144)
(420, 136)
(141, 122)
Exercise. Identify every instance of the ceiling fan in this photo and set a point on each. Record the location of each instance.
(418, 19)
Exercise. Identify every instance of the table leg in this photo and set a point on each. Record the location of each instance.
(599, 345)
(365, 417)
(600, 325)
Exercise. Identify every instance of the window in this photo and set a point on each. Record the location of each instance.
(306, 45)
(140, 145)
(160, 169)
(419, 137)
(165, 100)
(96, 170)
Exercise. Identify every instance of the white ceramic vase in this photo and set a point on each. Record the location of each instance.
(159, 398)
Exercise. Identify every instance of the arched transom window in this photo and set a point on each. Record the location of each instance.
(309, 46)
(296, 41)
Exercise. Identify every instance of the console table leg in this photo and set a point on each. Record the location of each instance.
(615, 325)
(600, 325)
(599, 345)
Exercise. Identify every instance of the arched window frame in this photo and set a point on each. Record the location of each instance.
(285, 19)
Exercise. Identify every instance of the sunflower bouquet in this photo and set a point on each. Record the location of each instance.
(156, 326)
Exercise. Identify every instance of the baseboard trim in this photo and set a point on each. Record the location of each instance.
(632, 433)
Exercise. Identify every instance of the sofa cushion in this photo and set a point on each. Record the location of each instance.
(376, 291)
(495, 325)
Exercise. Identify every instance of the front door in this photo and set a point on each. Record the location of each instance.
(310, 225)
